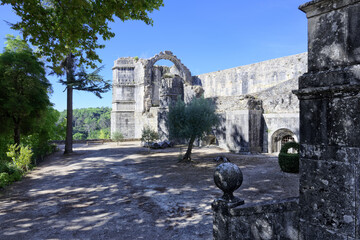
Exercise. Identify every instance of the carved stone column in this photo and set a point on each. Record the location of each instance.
(330, 122)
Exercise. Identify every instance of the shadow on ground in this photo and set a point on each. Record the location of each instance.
(123, 192)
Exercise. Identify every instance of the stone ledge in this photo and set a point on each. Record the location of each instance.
(328, 92)
(274, 206)
(124, 101)
(342, 76)
(318, 7)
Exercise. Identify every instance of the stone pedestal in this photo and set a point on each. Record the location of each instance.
(329, 122)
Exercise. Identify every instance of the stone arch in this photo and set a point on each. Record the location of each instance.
(167, 55)
(184, 73)
(281, 136)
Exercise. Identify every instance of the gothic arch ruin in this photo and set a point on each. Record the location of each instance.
(181, 71)
(253, 98)
(184, 72)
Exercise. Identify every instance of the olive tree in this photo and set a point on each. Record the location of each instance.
(191, 121)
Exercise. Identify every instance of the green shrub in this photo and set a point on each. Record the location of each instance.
(4, 179)
(104, 134)
(4, 167)
(21, 156)
(117, 136)
(16, 175)
(12, 174)
(79, 136)
(148, 135)
(289, 162)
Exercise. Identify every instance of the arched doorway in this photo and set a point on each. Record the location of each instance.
(280, 137)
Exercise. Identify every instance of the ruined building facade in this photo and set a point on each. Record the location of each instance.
(257, 108)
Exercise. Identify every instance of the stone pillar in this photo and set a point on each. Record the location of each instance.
(171, 87)
(330, 122)
(228, 177)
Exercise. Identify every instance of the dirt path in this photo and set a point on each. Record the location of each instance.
(122, 192)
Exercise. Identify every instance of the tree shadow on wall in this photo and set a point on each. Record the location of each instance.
(237, 139)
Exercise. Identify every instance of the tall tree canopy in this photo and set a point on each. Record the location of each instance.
(73, 26)
(191, 121)
(69, 29)
(23, 88)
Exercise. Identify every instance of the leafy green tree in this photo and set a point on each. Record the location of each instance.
(60, 28)
(191, 121)
(92, 123)
(23, 89)
(68, 29)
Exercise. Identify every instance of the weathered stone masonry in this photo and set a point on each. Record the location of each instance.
(328, 205)
(257, 107)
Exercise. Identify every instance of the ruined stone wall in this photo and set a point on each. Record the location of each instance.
(254, 101)
(240, 126)
(137, 87)
(253, 78)
(280, 111)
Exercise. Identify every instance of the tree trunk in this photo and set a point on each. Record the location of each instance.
(69, 111)
(187, 156)
(17, 132)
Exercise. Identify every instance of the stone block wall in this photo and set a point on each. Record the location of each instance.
(253, 78)
(239, 129)
(277, 219)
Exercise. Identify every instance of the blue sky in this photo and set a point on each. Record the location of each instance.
(207, 36)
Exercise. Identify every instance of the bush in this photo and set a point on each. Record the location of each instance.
(21, 156)
(289, 162)
(148, 135)
(9, 173)
(117, 136)
(16, 175)
(4, 167)
(4, 179)
(79, 136)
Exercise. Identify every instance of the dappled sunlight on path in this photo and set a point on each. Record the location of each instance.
(123, 192)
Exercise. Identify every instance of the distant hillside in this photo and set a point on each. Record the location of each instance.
(90, 123)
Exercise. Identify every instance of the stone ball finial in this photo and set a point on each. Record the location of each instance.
(228, 177)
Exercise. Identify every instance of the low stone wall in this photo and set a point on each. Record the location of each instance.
(277, 219)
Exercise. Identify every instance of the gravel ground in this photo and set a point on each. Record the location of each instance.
(110, 191)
